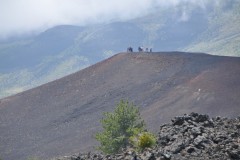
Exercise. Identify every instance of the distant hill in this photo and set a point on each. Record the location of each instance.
(61, 117)
(31, 61)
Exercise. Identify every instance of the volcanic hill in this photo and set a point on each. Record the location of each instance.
(62, 116)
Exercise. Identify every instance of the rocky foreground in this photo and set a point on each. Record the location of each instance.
(193, 136)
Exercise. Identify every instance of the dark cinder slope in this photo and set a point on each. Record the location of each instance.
(61, 117)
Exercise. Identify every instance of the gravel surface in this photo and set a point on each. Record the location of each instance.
(61, 117)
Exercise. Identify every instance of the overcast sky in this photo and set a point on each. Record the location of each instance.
(26, 16)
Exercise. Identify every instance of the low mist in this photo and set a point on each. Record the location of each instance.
(19, 17)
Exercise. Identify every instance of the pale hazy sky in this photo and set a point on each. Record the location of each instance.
(26, 16)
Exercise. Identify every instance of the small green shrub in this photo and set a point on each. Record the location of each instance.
(118, 127)
(143, 140)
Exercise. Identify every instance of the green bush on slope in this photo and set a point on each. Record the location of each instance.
(119, 126)
(143, 140)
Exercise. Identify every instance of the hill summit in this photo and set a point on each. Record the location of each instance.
(27, 62)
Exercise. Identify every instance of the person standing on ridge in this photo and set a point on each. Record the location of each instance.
(129, 49)
(139, 49)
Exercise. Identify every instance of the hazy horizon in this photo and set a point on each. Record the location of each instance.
(19, 17)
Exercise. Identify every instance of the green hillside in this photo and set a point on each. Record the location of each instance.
(222, 36)
(62, 50)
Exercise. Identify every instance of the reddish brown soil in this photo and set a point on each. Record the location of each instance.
(61, 117)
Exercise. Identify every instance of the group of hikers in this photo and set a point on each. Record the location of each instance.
(140, 49)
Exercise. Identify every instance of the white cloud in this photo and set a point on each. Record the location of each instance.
(184, 16)
(24, 16)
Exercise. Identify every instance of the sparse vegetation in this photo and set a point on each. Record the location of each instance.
(119, 126)
(143, 140)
